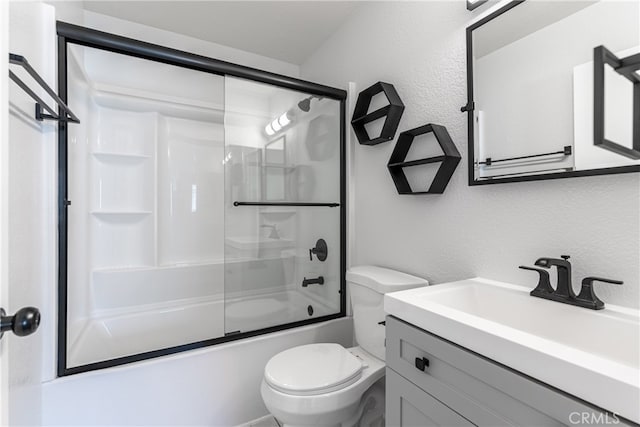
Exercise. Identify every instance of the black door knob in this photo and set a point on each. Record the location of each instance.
(23, 323)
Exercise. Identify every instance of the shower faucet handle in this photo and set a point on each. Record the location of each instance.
(320, 250)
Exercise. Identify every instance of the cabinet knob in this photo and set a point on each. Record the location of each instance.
(422, 363)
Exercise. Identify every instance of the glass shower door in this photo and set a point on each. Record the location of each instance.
(282, 216)
(145, 255)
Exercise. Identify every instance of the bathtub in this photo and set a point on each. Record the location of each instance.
(214, 386)
(146, 309)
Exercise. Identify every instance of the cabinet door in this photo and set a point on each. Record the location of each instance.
(409, 406)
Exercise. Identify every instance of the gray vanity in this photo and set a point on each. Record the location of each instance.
(485, 353)
(462, 388)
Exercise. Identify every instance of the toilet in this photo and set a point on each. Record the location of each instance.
(325, 384)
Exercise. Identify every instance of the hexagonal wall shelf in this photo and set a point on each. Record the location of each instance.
(393, 113)
(449, 160)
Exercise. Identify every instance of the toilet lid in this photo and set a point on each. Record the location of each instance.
(312, 369)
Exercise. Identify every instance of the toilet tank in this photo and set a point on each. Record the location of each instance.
(367, 285)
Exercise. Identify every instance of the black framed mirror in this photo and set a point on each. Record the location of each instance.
(530, 90)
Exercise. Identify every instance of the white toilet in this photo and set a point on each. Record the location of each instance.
(327, 384)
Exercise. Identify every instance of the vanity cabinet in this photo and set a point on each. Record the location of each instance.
(459, 388)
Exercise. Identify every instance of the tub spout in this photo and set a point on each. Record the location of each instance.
(317, 281)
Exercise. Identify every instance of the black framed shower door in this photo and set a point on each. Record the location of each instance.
(73, 35)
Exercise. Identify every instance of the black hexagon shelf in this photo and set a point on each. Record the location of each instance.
(449, 160)
(392, 111)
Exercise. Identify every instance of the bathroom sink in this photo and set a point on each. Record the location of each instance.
(593, 355)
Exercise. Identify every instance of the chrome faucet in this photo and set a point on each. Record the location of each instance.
(274, 230)
(564, 290)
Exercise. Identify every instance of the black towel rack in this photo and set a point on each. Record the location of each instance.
(40, 104)
(489, 161)
(329, 205)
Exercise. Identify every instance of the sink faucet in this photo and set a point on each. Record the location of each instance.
(274, 230)
(565, 287)
(564, 290)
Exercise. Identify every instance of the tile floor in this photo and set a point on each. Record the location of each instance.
(268, 421)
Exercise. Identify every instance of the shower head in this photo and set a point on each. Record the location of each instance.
(305, 104)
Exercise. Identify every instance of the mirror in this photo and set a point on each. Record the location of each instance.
(530, 80)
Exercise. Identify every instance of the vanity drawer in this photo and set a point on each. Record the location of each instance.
(409, 406)
(482, 391)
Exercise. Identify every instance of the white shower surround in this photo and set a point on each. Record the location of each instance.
(152, 258)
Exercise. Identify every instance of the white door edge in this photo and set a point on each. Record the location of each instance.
(4, 209)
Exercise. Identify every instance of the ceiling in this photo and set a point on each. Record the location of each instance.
(287, 30)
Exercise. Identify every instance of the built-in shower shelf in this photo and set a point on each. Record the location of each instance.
(182, 266)
(121, 216)
(124, 269)
(280, 166)
(105, 156)
(112, 96)
(277, 214)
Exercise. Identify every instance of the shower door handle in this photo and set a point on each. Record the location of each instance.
(23, 323)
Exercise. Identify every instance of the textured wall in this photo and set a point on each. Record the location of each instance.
(468, 231)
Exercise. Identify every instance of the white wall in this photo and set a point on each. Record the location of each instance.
(468, 231)
(72, 11)
(189, 44)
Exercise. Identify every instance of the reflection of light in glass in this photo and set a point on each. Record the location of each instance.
(269, 130)
(226, 159)
(194, 198)
(279, 123)
(284, 120)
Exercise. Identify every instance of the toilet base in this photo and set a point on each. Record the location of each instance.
(368, 413)
(371, 408)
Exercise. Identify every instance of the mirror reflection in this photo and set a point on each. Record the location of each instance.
(532, 69)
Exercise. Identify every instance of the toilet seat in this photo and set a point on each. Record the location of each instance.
(313, 369)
